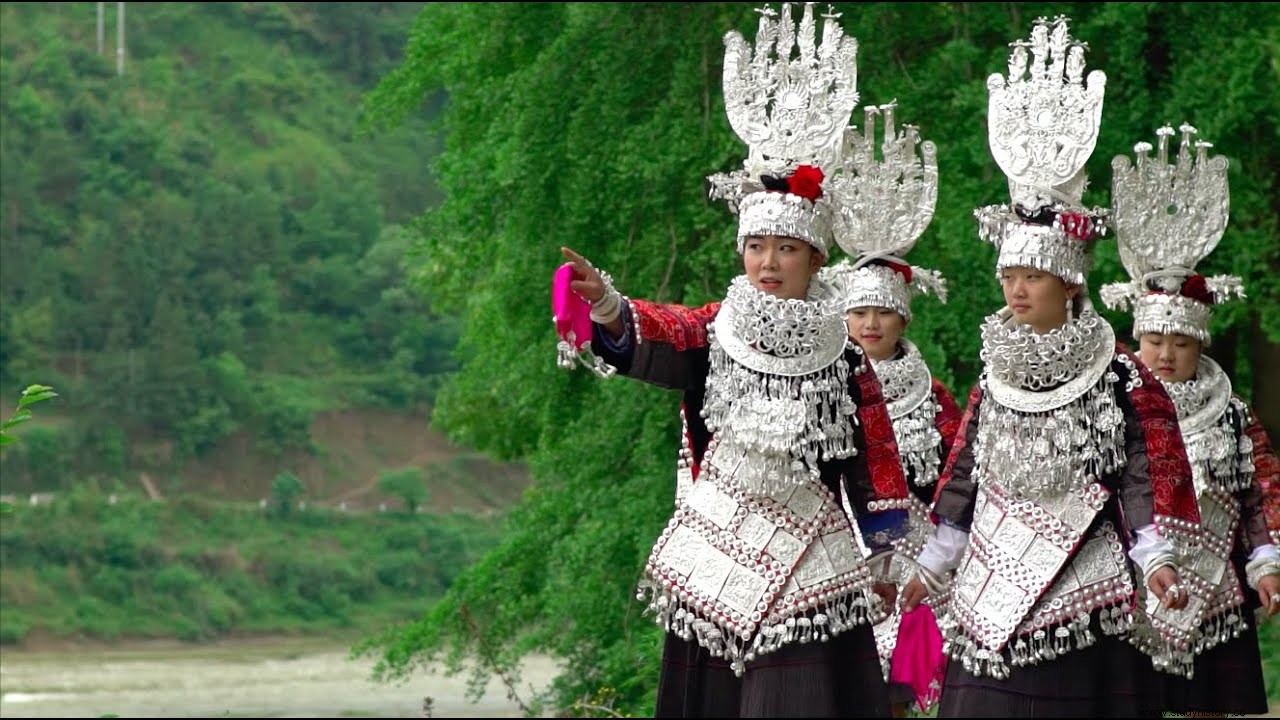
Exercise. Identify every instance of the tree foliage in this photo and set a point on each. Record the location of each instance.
(286, 488)
(409, 484)
(593, 125)
(179, 239)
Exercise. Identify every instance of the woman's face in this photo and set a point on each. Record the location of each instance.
(1037, 298)
(780, 266)
(876, 329)
(1173, 358)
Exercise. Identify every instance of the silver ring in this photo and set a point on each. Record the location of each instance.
(1173, 591)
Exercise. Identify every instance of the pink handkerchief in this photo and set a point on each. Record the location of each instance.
(571, 313)
(917, 658)
(572, 316)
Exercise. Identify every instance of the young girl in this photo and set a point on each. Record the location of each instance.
(878, 288)
(1168, 217)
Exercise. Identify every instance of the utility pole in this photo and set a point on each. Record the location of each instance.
(120, 39)
(101, 26)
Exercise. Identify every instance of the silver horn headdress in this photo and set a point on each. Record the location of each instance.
(1169, 214)
(1043, 123)
(791, 112)
(883, 206)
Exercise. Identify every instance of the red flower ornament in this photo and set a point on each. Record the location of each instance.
(902, 269)
(806, 182)
(1197, 289)
(1078, 226)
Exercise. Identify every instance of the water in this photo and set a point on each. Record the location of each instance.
(240, 678)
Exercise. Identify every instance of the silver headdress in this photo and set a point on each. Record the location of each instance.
(791, 112)
(1043, 126)
(1169, 215)
(883, 206)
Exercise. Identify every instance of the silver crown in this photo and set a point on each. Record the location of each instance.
(790, 110)
(1043, 122)
(883, 205)
(1169, 214)
(789, 98)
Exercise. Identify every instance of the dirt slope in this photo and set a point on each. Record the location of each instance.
(353, 447)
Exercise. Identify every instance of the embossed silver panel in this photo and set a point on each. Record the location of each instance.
(814, 567)
(682, 551)
(785, 547)
(743, 589)
(712, 503)
(756, 531)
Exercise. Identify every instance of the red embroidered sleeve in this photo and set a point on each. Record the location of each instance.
(1173, 493)
(958, 440)
(884, 464)
(947, 421)
(682, 327)
(1266, 471)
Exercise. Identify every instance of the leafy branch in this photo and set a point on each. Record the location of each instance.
(489, 658)
(32, 395)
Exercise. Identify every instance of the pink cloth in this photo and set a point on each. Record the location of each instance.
(917, 658)
(571, 313)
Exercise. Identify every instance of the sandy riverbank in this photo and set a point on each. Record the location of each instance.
(256, 677)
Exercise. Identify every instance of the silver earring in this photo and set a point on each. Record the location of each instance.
(1069, 311)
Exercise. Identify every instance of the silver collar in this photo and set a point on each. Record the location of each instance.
(782, 337)
(1035, 372)
(1203, 399)
(904, 380)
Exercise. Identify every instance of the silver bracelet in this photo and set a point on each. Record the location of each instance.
(1255, 570)
(607, 309)
(1159, 561)
(881, 567)
(933, 583)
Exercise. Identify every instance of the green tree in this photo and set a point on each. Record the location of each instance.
(286, 488)
(30, 396)
(564, 125)
(215, 199)
(409, 484)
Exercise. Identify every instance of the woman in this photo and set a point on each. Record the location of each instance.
(925, 415)
(878, 289)
(743, 366)
(757, 577)
(925, 418)
(1067, 472)
(1230, 454)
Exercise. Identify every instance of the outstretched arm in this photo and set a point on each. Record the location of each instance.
(593, 286)
(662, 344)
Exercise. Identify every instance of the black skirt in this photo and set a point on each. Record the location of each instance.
(837, 678)
(1227, 678)
(1108, 679)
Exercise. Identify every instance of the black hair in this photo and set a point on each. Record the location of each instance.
(1043, 216)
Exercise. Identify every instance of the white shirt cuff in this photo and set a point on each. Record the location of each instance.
(1148, 545)
(1268, 552)
(942, 553)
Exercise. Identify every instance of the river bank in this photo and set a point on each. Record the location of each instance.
(249, 677)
